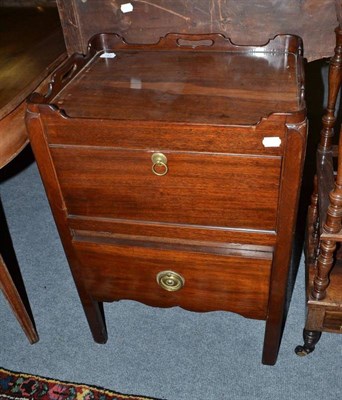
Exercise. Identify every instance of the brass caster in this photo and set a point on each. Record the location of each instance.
(302, 351)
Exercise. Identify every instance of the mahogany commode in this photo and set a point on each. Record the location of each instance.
(173, 172)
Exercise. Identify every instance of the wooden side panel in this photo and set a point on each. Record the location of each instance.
(47, 171)
(287, 212)
(245, 21)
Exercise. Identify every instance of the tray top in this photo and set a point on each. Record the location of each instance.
(197, 85)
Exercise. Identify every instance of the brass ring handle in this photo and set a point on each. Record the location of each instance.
(159, 160)
(170, 281)
(160, 164)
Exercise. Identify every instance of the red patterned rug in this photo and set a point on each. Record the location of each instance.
(20, 386)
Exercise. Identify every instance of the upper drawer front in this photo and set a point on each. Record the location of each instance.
(200, 189)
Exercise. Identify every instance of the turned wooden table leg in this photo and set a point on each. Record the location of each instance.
(312, 233)
(328, 120)
(311, 338)
(334, 213)
(13, 297)
(332, 225)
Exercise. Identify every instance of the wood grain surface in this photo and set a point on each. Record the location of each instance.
(32, 45)
(244, 21)
(226, 282)
(223, 215)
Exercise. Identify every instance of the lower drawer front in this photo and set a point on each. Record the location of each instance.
(230, 282)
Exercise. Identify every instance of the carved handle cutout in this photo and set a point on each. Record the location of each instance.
(69, 73)
(195, 43)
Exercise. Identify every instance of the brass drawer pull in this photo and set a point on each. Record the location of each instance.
(170, 281)
(159, 166)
